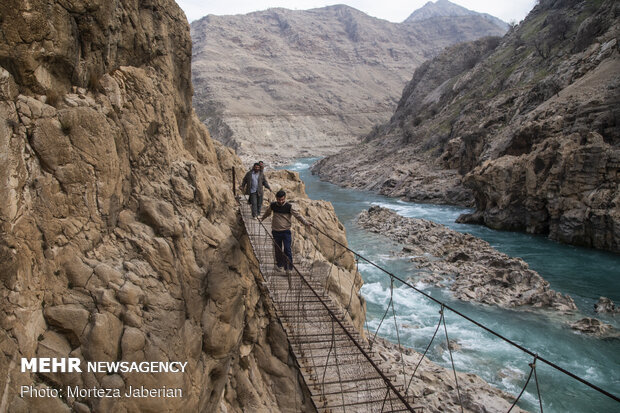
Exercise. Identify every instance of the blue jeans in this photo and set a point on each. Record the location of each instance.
(282, 249)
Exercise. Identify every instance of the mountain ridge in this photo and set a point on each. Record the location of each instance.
(321, 77)
(525, 129)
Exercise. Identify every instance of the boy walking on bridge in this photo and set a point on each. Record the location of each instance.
(281, 229)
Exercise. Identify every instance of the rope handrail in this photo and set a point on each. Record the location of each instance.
(489, 330)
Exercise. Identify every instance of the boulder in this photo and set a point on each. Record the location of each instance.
(592, 326)
(605, 305)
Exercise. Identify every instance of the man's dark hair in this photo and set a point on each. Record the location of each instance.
(280, 194)
(255, 164)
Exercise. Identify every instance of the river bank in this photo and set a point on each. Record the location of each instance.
(475, 271)
(585, 274)
(432, 385)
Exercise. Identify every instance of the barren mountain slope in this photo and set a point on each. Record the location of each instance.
(530, 123)
(282, 83)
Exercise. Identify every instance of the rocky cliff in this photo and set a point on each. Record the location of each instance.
(119, 235)
(279, 83)
(525, 127)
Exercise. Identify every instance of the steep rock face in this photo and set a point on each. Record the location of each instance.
(279, 83)
(575, 200)
(552, 82)
(393, 164)
(120, 239)
(79, 42)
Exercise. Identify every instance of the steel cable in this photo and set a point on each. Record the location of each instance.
(458, 391)
(425, 351)
(532, 367)
(342, 327)
(537, 386)
(482, 326)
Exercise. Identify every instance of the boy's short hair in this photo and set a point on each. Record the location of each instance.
(280, 194)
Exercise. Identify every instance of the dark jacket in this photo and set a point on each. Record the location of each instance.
(246, 184)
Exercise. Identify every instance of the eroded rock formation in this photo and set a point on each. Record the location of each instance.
(605, 305)
(592, 326)
(435, 387)
(475, 270)
(120, 238)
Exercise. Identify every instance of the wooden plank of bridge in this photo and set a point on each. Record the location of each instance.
(339, 376)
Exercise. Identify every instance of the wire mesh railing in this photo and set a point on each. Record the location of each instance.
(443, 308)
(339, 367)
(339, 363)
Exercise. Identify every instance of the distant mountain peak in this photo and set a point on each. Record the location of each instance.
(445, 8)
(440, 8)
(340, 6)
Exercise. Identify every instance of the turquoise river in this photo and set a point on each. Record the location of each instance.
(584, 274)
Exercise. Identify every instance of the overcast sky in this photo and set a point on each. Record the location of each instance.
(392, 10)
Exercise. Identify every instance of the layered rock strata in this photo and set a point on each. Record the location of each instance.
(120, 239)
(280, 84)
(527, 125)
(473, 270)
(393, 161)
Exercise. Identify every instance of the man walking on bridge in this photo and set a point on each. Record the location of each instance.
(253, 183)
(281, 229)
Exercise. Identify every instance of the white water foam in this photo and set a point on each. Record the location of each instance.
(480, 352)
(298, 166)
